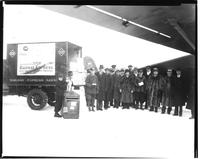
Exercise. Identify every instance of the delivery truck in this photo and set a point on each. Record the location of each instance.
(31, 70)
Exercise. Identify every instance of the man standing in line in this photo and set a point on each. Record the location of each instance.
(148, 74)
(133, 78)
(140, 83)
(61, 86)
(155, 86)
(167, 92)
(101, 95)
(107, 88)
(179, 95)
(92, 86)
(117, 94)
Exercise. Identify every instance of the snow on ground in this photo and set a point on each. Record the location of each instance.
(110, 133)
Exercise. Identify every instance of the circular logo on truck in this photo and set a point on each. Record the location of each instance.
(25, 48)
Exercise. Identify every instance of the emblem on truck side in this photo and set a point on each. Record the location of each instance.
(25, 48)
(61, 51)
(12, 53)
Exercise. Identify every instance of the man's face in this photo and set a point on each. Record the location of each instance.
(135, 71)
(140, 74)
(101, 70)
(92, 72)
(127, 74)
(117, 73)
(60, 78)
(169, 73)
(107, 71)
(148, 70)
(178, 73)
(155, 73)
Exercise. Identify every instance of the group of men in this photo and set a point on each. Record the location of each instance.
(137, 88)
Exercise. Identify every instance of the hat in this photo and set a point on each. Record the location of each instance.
(113, 66)
(140, 70)
(178, 69)
(122, 70)
(88, 70)
(127, 71)
(117, 71)
(101, 67)
(155, 69)
(169, 70)
(60, 75)
(106, 69)
(148, 67)
(135, 68)
(130, 66)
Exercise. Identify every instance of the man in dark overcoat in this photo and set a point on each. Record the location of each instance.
(61, 86)
(101, 94)
(126, 90)
(117, 94)
(179, 93)
(155, 86)
(167, 93)
(111, 92)
(92, 88)
(147, 75)
(133, 79)
(107, 88)
(140, 89)
(191, 98)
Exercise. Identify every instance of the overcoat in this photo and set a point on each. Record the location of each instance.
(101, 80)
(126, 87)
(179, 91)
(90, 88)
(140, 84)
(167, 91)
(154, 87)
(117, 94)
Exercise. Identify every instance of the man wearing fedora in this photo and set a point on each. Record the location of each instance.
(167, 92)
(101, 94)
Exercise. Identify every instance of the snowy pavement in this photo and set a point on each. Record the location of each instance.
(108, 133)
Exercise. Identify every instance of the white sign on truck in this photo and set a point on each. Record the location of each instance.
(36, 59)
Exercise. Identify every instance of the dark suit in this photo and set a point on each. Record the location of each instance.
(60, 90)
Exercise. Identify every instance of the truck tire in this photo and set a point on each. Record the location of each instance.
(37, 99)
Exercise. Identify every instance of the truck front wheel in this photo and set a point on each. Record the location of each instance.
(37, 99)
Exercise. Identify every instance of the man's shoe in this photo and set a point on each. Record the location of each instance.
(57, 115)
(191, 117)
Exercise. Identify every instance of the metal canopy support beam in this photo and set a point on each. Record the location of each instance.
(174, 23)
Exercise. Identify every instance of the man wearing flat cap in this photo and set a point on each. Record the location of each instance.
(155, 86)
(92, 88)
(167, 92)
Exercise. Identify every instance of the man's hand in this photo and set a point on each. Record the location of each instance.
(131, 91)
(120, 90)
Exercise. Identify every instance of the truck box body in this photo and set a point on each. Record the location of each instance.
(31, 70)
(38, 63)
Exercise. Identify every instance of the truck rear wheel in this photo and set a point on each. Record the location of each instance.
(37, 99)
